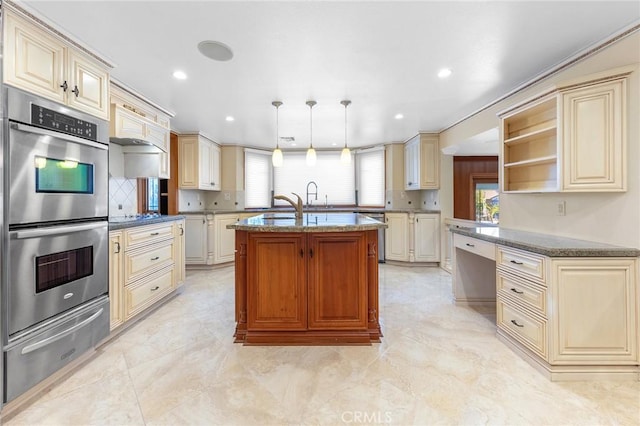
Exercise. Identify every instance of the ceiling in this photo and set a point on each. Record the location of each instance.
(383, 56)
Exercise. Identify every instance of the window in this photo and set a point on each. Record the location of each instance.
(487, 202)
(370, 166)
(335, 181)
(153, 192)
(257, 178)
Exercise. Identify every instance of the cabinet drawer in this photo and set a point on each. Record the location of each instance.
(142, 235)
(146, 292)
(522, 263)
(476, 246)
(524, 327)
(147, 259)
(529, 294)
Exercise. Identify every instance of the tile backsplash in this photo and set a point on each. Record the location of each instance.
(123, 196)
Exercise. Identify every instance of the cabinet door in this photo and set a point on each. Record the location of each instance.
(412, 164)
(337, 281)
(179, 241)
(216, 179)
(429, 162)
(427, 238)
(195, 240)
(276, 282)
(594, 121)
(188, 149)
(594, 311)
(205, 155)
(225, 239)
(116, 278)
(33, 60)
(396, 237)
(89, 86)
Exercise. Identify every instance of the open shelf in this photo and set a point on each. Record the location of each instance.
(545, 132)
(534, 161)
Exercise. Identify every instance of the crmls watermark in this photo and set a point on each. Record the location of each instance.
(375, 417)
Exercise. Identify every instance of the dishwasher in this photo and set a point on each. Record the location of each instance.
(379, 217)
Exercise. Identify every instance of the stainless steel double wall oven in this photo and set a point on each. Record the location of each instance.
(55, 302)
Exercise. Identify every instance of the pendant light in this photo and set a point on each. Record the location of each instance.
(277, 159)
(345, 156)
(311, 153)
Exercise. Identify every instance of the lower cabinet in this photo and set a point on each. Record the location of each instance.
(573, 317)
(196, 239)
(145, 264)
(225, 246)
(207, 239)
(412, 237)
(307, 287)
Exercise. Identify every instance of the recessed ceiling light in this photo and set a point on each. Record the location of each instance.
(179, 75)
(398, 116)
(444, 73)
(333, 144)
(215, 50)
(229, 118)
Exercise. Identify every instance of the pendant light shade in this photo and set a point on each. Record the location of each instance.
(276, 158)
(311, 153)
(345, 156)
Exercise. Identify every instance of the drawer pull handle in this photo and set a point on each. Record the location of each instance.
(155, 288)
(514, 322)
(157, 233)
(155, 258)
(516, 291)
(515, 262)
(117, 246)
(311, 252)
(470, 245)
(301, 253)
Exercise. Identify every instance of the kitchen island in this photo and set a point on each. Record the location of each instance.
(307, 281)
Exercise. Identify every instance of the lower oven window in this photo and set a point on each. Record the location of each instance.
(63, 176)
(53, 270)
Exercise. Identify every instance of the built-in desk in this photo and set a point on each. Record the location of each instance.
(569, 307)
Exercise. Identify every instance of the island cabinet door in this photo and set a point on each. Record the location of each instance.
(276, 282)
(337, 281)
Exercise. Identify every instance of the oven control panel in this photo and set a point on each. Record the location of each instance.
(53, 120)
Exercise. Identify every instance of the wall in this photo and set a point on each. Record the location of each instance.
(608, 217)
(123, 196)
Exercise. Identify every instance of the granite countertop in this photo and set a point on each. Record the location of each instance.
(547, 245)
(310, 222)
(316, 209)
(121, 222)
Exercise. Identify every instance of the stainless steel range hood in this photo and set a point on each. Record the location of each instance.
(132, 158)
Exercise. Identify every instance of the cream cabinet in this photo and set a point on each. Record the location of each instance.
(116, 278)
(573, 318)
(179, 239)
(571, 138)
(422, 162)
(134, 117)
(426, 237)
(196, 239)
(199, 163)
(145, 264)
(225, 239)
(396, 237)
(38, 60)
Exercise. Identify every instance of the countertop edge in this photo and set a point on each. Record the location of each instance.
(551, 251)
(116, 226)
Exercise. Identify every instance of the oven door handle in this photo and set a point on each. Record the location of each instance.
(64, 136)
(56, 337)
(56, 230)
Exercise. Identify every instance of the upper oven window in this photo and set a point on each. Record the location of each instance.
(53, 270)
(63, 176)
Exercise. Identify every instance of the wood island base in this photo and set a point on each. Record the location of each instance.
(307, 288)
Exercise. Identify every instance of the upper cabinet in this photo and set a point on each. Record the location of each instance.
(199, 163)
(421, 162)
(569, 139)
(40, 61)
(134, 117)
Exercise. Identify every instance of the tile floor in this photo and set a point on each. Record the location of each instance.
(437, 364)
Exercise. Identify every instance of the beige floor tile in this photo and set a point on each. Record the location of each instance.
(437, 364)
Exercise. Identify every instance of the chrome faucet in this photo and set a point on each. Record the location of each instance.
(296, 205)
(312, 193)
